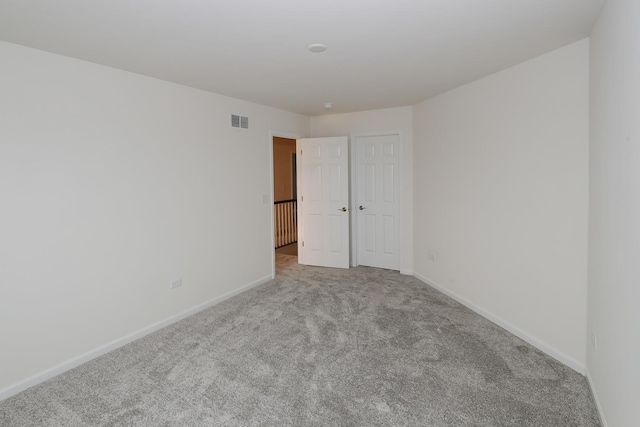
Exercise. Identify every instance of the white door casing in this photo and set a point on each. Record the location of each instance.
(378, 200)
(323, 194)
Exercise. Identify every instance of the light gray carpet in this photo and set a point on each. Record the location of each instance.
(318, 347)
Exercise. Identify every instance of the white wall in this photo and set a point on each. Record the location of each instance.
(389, 119)
(112, 184)
(501, 195)
(614, 213)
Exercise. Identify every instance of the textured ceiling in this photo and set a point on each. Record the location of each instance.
(381, 53)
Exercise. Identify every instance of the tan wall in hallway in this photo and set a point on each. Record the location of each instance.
(283, 149)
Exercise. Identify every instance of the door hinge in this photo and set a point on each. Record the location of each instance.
(303, 243)
(302, 198)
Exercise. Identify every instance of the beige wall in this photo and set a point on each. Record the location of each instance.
(501, 193)
(614, 213)
(113, 184)
(283, 149)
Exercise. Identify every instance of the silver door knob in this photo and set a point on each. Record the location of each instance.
(343, 209)
(362, 208)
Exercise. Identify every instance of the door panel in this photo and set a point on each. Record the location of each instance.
(336, 233)
(389, 233)
(335, 183)
(378, 165)
(388, 182)
(323, 166)
(314, 227)
(369, 182)
(314, 191)
(370, 233)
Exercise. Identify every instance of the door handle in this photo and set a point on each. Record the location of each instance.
(343, 209)
(362, 208)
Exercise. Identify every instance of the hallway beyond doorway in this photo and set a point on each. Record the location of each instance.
(291, 249)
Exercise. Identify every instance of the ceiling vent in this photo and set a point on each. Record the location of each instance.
(240, 122)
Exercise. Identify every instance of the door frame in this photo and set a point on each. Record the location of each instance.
(272, 238)
(354, 185)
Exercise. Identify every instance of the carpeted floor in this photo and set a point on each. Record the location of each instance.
(318, 347)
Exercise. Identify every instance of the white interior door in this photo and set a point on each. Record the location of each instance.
(323, 226)
(378, 200)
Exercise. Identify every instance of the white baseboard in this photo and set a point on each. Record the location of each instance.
(558, 355)
(407, 272)
(106, 348)
(596, 399)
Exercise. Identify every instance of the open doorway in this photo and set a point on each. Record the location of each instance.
(285, 200)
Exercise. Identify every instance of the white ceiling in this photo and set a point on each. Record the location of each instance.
(381, 53)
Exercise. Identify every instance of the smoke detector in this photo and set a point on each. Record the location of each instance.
(317, 47)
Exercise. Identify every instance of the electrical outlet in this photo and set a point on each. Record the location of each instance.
(175, 283)
(265, 199)
(594, 341)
